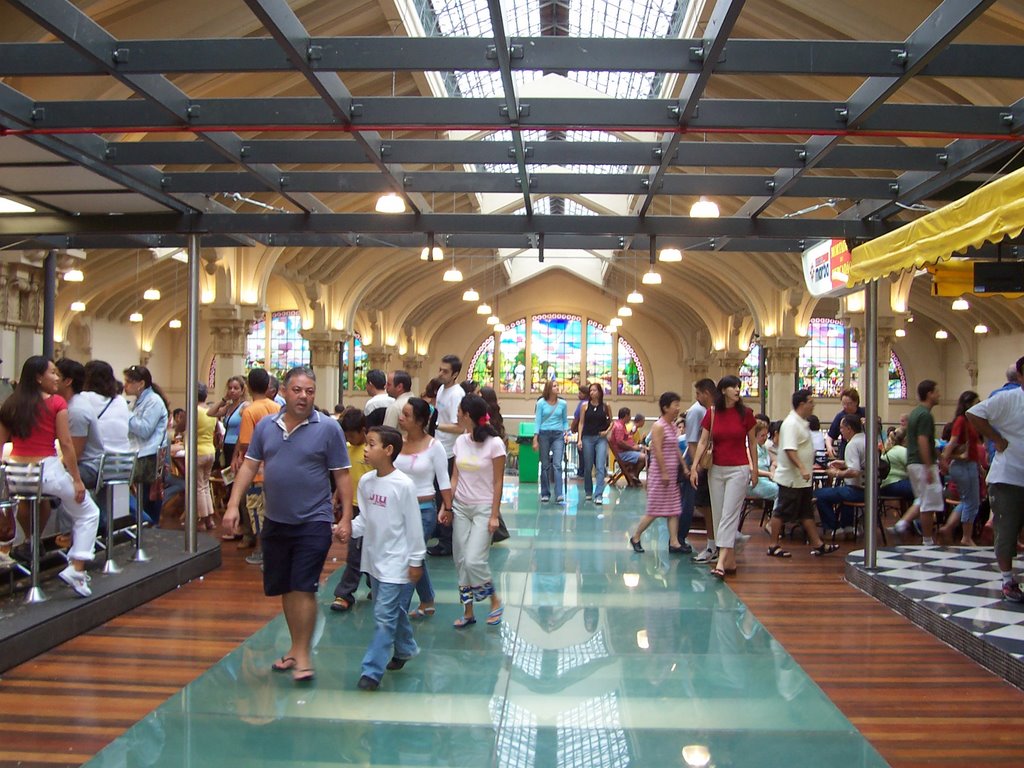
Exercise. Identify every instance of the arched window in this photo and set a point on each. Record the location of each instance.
(256, 344)
(555, 342)
(353, 350)
(632, 380)
(599, 355)
(282, 348)
(821, 362)
(750, 372)
(481, 365)
(513, 359)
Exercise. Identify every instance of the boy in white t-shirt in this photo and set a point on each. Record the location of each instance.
(393, 552)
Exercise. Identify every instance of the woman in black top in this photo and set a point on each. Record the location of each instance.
(595, 424)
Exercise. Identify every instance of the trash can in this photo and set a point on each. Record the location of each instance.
(528, 458)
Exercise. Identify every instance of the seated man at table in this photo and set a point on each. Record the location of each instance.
(849, 469)
(630, 456)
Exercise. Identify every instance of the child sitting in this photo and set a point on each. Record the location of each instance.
(393, 552)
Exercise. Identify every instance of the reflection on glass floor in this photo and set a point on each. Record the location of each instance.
(605, 658)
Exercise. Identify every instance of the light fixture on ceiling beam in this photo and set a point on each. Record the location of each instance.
(135, 317)
(670, 255)
(625, 311)
(499, 327)
(484, 309)
(981, 328)
(78, 306)
(651, 277)
(452, 275)
(471, 295)
(960, 305)
(615, 322)
(635, 298)
(74, 276)
(431, 252)
(151, 294)
(941, 334)
(900, 333)
(175, 324)
(493, 320)
(704, 209)
(390, 203)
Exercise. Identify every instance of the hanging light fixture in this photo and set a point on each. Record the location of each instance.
(151, 294)
(651, 277)
(625, 311)
(900, 333)
(74, 276)
(484, 309)
(499, 327)
(431, 252)
(493, 320)
(390, 203)
(981, 328)
(941, 334)
(960, 305)
(615, 322)
(78, 306)
(452, 275)
(471, 295)
(670, 255)
(175, 324)
(635, 297)
(704, 208)
(135, 317)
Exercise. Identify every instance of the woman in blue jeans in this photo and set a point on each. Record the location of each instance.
(424, 460)
(551, 422)
(595, 424)
(960, 458)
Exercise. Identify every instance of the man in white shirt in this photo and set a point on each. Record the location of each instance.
(1001, 420)
(376, 406)
(793, 475)
(850, 469)
(399, 387)
(447, 404)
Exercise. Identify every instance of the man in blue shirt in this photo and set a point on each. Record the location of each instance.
(301, 449)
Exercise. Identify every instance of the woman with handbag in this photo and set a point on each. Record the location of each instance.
(595, 424)
(662, 476)
(960, 460)
(729, 426)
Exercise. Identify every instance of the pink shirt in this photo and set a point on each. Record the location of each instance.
(476, 468)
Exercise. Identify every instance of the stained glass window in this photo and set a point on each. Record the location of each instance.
(632, 380)
(821, 362)
(256, 345)
(556, 345)
(599, 355)
(353, 350)
(750, 373)
(897, 379)
(287, 347)
(481, 364)
(513, 357)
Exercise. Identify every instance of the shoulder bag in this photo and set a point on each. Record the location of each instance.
(707, 458)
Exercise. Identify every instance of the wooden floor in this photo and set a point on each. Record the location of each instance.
(919, 702)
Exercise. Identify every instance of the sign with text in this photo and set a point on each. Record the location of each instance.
(827, 268)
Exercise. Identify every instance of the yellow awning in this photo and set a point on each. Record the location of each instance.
(988, 214)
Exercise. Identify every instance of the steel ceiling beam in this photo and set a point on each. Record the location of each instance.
(602, 183)
(453, 225)
(92, 41)
(629, 153)
(290, 34)
(430, 114)
(924, 44)
(511, 109)
(404, 54)
(716, 34)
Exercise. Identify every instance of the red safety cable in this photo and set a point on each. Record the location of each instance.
(331, 128)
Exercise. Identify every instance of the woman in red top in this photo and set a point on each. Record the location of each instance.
(32, 418)
(730, 427)
(960, 460)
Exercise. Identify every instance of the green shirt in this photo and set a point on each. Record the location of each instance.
(920, 422)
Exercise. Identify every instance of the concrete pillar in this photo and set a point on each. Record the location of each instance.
(228, 329)
(379, 356)
(783, 355)
(413, 365)
(323, 358)
(727, 362)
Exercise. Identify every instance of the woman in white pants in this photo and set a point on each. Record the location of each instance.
(729, 427)
(32, 418)
(477, 482)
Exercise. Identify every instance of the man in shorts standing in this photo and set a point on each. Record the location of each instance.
(922, 468)
(300, 449)
(699, 498)
(793, 475)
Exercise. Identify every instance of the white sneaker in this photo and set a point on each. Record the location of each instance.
(77, 580)
(707, 556)
(741, 540)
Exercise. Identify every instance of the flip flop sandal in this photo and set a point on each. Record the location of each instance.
(304, 675)
(718, 573)
(283, 664)
(825, 549)
(463, 621)
(494, 617)
(341, 605)
(778, 552)
(422, 613)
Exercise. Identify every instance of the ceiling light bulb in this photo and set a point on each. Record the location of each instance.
(651, 278)
(471, 295)
(625, 311)
(635, 298)
(615, 322)
(670, 254)
(74, 276)
(175, 323)
(900, 333)
(499, 327)
(704, 209)
(941, 334)
(493, 320)
(960, 305)
(452, 276)
(436, 255)
(135, 317)
(390, 203)
(484, 309)
(981, 328)
(78, 306)
(151, 294)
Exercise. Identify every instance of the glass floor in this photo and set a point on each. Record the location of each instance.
(604, 658)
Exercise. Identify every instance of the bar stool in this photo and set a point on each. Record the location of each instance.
(25, 484)
(7, 509)
(116, 468)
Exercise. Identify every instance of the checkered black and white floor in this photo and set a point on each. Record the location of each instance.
(954, 593)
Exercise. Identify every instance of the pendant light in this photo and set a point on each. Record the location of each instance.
(470, 295)
(452, 275)
(74, 276)
(960, 305)
(390, 203)
(651, 277)
(78, 306)
(625, 311)
(431, 252)
(635, 297)
(671, 254)
(704, 208)
(151, 294)
(484, 309)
